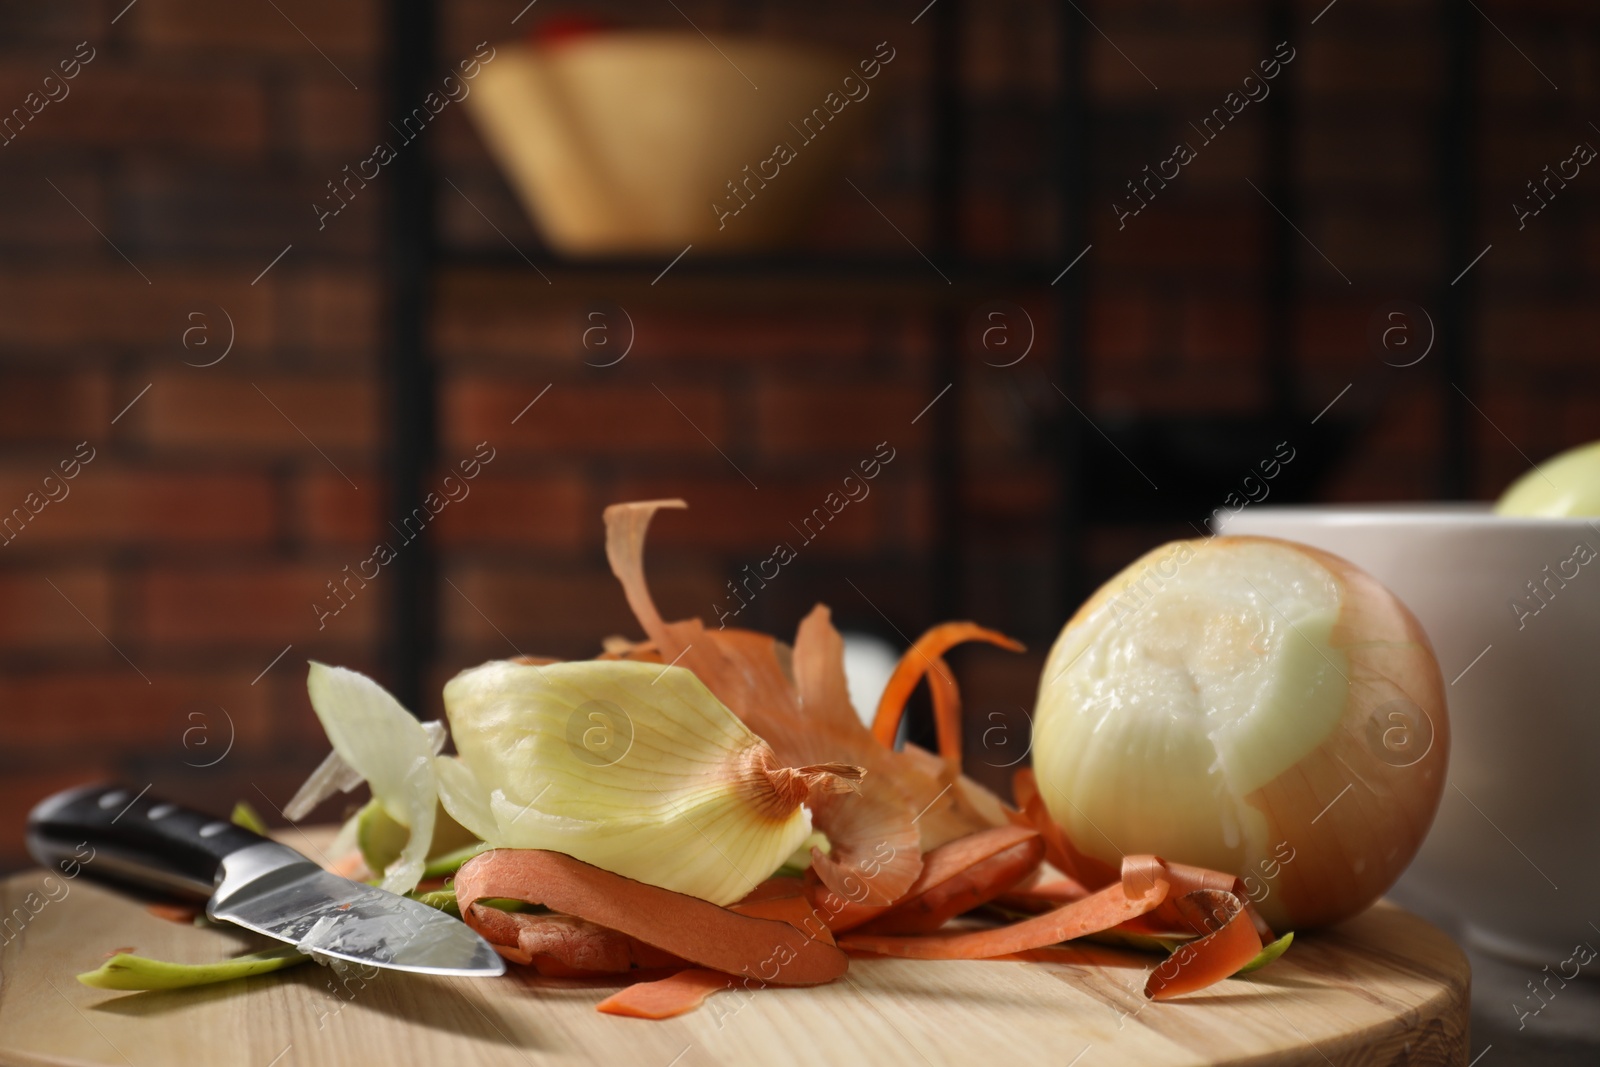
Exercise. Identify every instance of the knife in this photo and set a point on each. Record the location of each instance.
(251, 881)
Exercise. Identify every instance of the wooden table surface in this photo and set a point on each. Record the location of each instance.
(1384, 988)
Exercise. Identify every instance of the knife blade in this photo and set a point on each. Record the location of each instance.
(251, 881)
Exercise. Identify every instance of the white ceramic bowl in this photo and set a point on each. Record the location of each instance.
(1512, 606)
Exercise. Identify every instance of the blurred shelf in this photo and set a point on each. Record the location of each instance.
(869, 277)
(1179, 468)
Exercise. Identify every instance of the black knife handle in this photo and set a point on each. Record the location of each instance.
(120, 834)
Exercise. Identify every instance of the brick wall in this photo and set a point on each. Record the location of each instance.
(144, 214)
(140, 609)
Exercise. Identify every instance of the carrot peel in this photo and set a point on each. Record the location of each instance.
(666, 997)
(564, 946)
(1101, 910)
(960, 876)
(768, 950)
(1231, 944)
(923, 657)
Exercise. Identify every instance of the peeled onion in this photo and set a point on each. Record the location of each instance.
(1248, 705)
(1563, 486)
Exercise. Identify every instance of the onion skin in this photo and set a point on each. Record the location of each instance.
(1356, 808)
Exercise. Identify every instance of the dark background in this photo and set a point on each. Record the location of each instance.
(138, 617)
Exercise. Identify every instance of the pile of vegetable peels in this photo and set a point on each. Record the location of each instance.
(654, 862)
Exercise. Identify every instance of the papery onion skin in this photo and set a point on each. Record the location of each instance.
(631, 767)
(1316, 840)
(379, 740)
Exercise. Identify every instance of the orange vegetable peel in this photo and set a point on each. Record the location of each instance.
(925, 658)
(913, 845)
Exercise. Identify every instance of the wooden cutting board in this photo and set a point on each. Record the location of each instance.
(1384, 988)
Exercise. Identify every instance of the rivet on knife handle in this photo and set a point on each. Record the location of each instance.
(135, 838)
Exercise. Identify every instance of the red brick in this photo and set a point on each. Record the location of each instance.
(730, 515)
(325, 510)
(1398, 458)
(999, 690)
(844, 418)
(1124, 325)
(1390, 155)
(870, 224)
(338, 316)
(845, 335)
(1375, 479)
(36, 218)
(498, 611)
(1115, 389)
(115, 506)
(34, 616)
(329, 121)
(1374, 62)
(1537, 258)
(478, 315)
(575, 419)
(456, 141)
(1508, 75)
(1009, 48)
(1392, 244)
(182, 210)
(1511, 422)
(1208, 58)
(1167, 235)
(1543, 333)
(278, 413)
(339, 30)
(472, 21)
(482, 212)
(1002, 224)
(115, 105)
(1580, 420)
(529, 513)
(1410, 424)
(54, 27)
(1222, 332)
(1004, 504)
(262, 605)
(88, 710)
(513, 315)
(1514, 147)
(89, 305)
(993, 427)
(907, 511)
(1223, 163)
(54, 407)
(1333, 332)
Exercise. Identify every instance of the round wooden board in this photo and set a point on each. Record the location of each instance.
(1384, 988)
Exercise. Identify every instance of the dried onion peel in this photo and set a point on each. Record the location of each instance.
(806, 716)
(384, 744)
(799, 703)
(633, 767)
